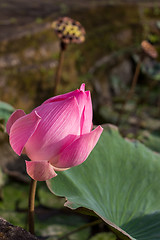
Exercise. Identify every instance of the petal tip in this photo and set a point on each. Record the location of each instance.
(98, 130)
(82, 87)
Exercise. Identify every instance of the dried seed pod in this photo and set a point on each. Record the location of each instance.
(69, 30)
(149, 49)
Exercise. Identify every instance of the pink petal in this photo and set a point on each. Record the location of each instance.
(22, 130)
(16, 115)
(62, 97)
(66, 95)
(77, 152)
(86, 118)
(59, 127)
(40, 170)
(82, 87)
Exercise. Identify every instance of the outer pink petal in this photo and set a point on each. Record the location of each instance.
(16, 115)
(79, 95)
(86, 118)
(59, 127)
(66, 95)
(40, 170)
(62, 97)
(77, 152)
(22, 130)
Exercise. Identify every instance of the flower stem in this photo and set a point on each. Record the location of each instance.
(32, 192)
(59, 68)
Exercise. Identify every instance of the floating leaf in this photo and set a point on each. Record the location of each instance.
(120, 183)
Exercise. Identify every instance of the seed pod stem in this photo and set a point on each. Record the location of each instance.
(59, 68)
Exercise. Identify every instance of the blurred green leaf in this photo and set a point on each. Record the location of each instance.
(153, 38)
(150, 140)
(151, 68)
(120, 183)
(47, 199)
(104, 236)
(39, 20)
(5, 111)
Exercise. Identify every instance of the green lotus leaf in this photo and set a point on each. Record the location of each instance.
(120, 182)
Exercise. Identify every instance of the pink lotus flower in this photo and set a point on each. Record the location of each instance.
(56, 135)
